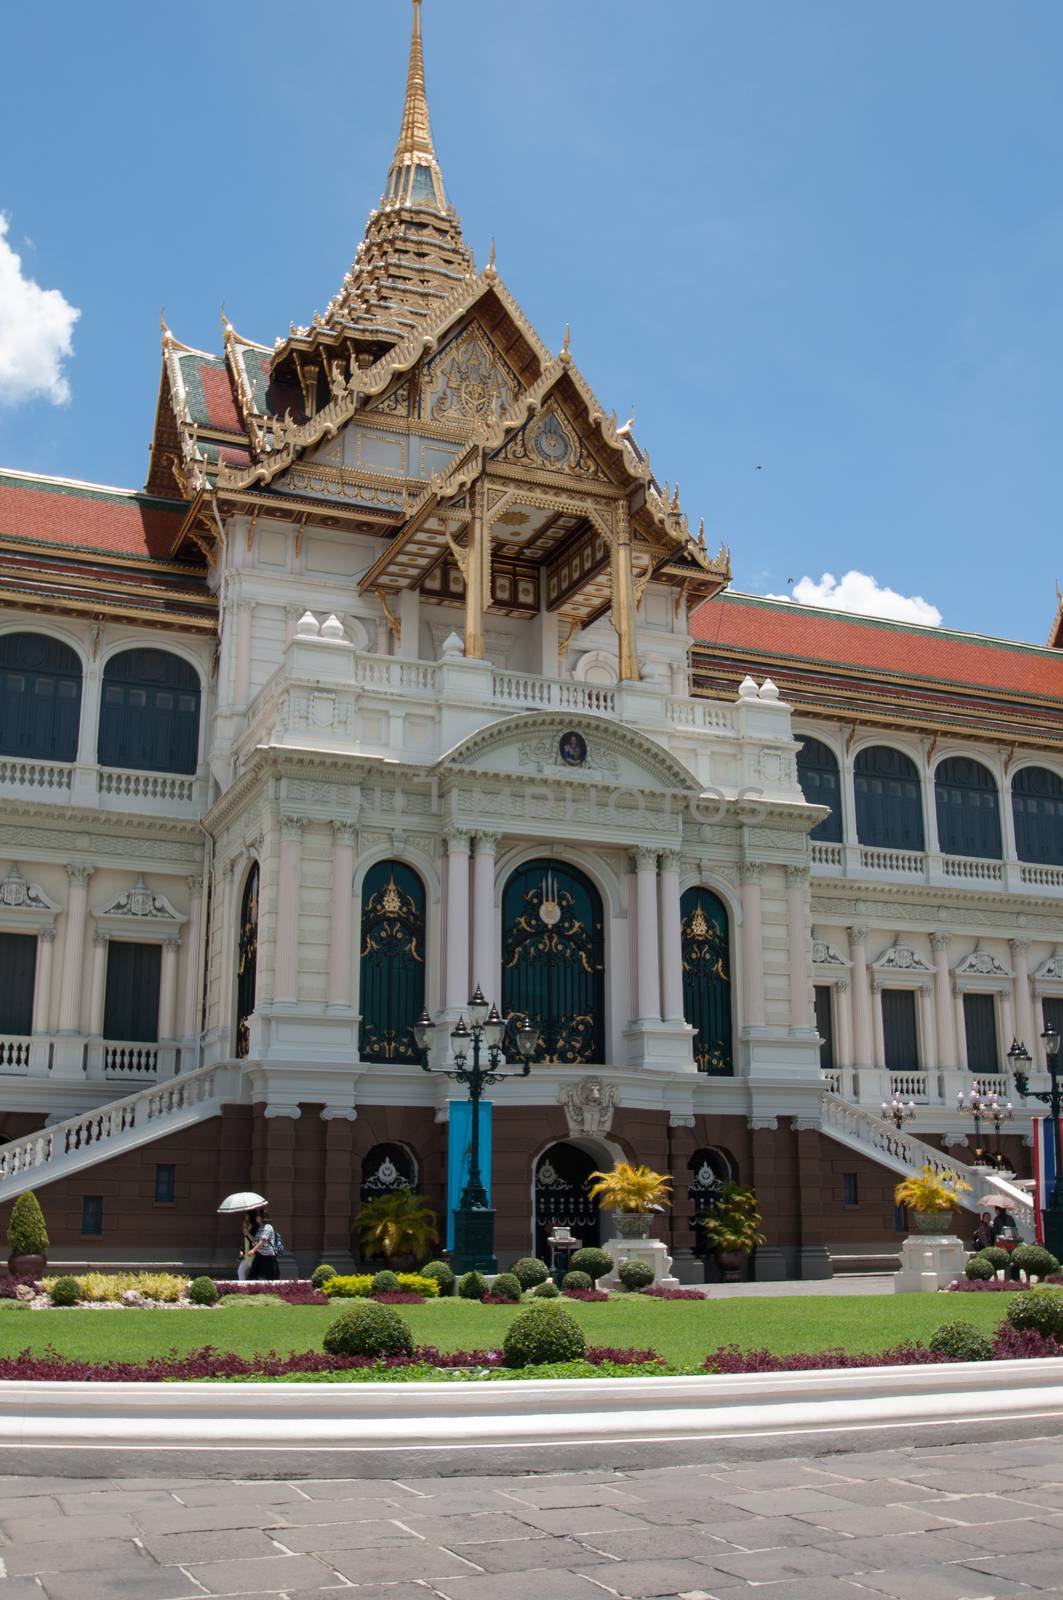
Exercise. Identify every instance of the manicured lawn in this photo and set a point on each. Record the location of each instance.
(681, 1331)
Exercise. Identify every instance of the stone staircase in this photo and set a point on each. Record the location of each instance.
(124, 1125)
(879, 1140)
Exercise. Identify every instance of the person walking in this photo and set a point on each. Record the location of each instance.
(983, 1233)
(264, 1247)
(247, 1230)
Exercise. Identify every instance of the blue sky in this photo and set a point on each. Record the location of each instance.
(822, 238)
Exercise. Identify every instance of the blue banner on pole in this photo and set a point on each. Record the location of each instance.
(459, 1149)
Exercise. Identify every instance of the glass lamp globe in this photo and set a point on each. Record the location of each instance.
(478, 1008)
(494, 1028)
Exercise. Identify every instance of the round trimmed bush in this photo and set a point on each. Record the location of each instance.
(385, 1283)
(543, 1334)
(594, 1262)
(546, 1291)
(979, 1268)
(443, 1275)
(506, 1287)
(998, 1259)
(635, 1275)
(1040, 1309)
(369, 1329)
(322, 1274)
(961, 1341)
(65, 1292)
(1034, 1260)
(472, 1286)
(203, 1291)
(577, 1280)
(529, 1272)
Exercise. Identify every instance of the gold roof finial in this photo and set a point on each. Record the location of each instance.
(565, 356)
(490, 271)
(415, 134)
(701, 534)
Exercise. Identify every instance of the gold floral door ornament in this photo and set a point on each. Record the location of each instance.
(707, 980)
(392, 962)
(553, 960)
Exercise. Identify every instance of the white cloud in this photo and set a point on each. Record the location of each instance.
(861, 593)
(35, 333)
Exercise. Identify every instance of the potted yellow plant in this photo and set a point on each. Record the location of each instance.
(931, 1197)
(732, 1230)
(633, 1194)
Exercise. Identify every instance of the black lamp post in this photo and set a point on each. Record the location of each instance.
(984, 1107)
(474, 1220)
(1019, 1056)
(898, 1111)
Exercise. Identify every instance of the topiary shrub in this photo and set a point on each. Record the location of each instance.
(998, 1259)
(547, 1290)
(635, 1275)
(203, 1291)
(578, 1280)
(442, 1275)
(978, 1267)
(385, 1283)
(347, 1285)
(961, 1341)
(369, 1329)
(26, 1233)
(1040, 1309)
(543, 1334)
(1034, 1260)
(322, 1274)
(64, 1292)
(506, 1287)
(472, 1286)
(594, 1262)
(530, 1272)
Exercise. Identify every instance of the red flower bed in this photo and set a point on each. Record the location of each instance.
(599, 1353)
(396, 1297)
(294, 1291)
(1023, 1344)
(656, 1292)
(9, 1287)
(730, 1358)
(588, 1296)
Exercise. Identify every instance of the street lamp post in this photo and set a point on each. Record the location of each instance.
(984, 1107)
(474, 1220)
(1019, 1056)
(898, 1111)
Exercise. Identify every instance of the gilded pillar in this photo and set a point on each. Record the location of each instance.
(477, 575)
(624, 596)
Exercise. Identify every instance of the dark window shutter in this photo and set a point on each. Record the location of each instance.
(968, 809)
(18, 971)
(889, 800)
(1037, 806)
(131, 1004)
(1052, 1013)
(825, 1025)
(40, 698)
(149, 713)
(817, 773)
(980, 1031)
(899, 1030)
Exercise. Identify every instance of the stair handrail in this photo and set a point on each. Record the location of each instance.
(47, 1146)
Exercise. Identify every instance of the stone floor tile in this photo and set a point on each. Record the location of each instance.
(22, 1589)
(579, 1519)
(877, 1492)
(487, 1527)
(454, 1504)
(17, 1485)
(872, 1521)
(555, 1496)
(765, 1533)
(398, 1563)
(371, 1591)
(519, 1586)
(774, 1475)
(890, 1551)
(230, 1544)
(29, 1505)
(773, 1566)
(1041, 1569)
(940, 1583)
(260, 1572)
(957, 1480)
(983, 1508)
(342, 1511)
(776, 1502)
(101, 1500)
(681, 1544)
(375, 1489)
(641, 1580)
(30, 1530)
(344, 1536)
(190, 1519)
(241, 1494)
(151, 1583)
(1049, 1495)
(523, 1555)
(814, 1588)
(73, 1555)
(1015, 1538)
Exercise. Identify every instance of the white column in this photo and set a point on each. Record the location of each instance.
(485, 961)
(168, 988)
(877, 1029)
(74, 948)
(927, 1040)
(1024, 1022)
(961, 1031)
(752, 946)
(286, 921)
(863, 1049)
(944, 1015)
(844, 1053)
(100, 941)
(42, 992)
(242, 670)
(339, 956)
(1007, 1025)
(798, 924)
(194, 948)
(647, 936)
(671, 923)
(456, 992)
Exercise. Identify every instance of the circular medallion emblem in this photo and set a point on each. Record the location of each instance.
(572, 748)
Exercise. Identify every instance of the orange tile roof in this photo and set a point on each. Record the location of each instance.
(775, 629)
(84, 516)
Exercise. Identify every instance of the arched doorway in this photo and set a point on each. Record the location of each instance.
(562, 1195)
(710, 1169)
(553, 960)
(392, 962)
(386, 1168)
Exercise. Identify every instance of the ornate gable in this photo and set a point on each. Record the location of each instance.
(550, 442)
(468, 381)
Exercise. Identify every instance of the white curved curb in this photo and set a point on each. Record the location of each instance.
(374, 1416)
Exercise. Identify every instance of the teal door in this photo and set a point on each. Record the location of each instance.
(392, 962)
(707, 979)
(553, 960)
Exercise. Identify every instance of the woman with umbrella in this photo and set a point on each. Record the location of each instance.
(259, 1255)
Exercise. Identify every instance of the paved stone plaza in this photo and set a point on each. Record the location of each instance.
(915, 1523)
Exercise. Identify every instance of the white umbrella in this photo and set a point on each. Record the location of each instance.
(1002, 1202)
(246, 1200)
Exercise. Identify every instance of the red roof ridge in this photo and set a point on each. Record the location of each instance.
(49, 480)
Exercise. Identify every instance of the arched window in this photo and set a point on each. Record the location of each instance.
(553, 959)
(707, 979)
(392, 956)
(247, 962)
(889, 799)
(149, 715)
(710, 1171)
(40, 698)
(968, 809)
(1037, 805)
(817, 773)
(386, 1168)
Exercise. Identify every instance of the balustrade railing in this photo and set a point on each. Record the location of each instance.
(973, 868)
(827, 855)
(122, 1060)
(14, 1054)
(46, 775)
(145, 785)
(910, 862)
(1041, 877)
(910, 1086)
(685, 713)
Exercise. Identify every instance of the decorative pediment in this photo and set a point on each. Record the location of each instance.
(570, 746)
(1051, 971)
(902, 958)
(825, 955)
(140, 907)
(18, 894)
(468, 381)
(981, 964)
(550, 442)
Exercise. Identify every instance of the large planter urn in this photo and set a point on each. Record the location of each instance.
(732, 1263)
(633, 1224)
(931, 1221)
(27, 1266)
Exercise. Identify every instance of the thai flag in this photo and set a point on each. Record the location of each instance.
(1044, 1168)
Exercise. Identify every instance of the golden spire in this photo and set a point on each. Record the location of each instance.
(415, 177)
